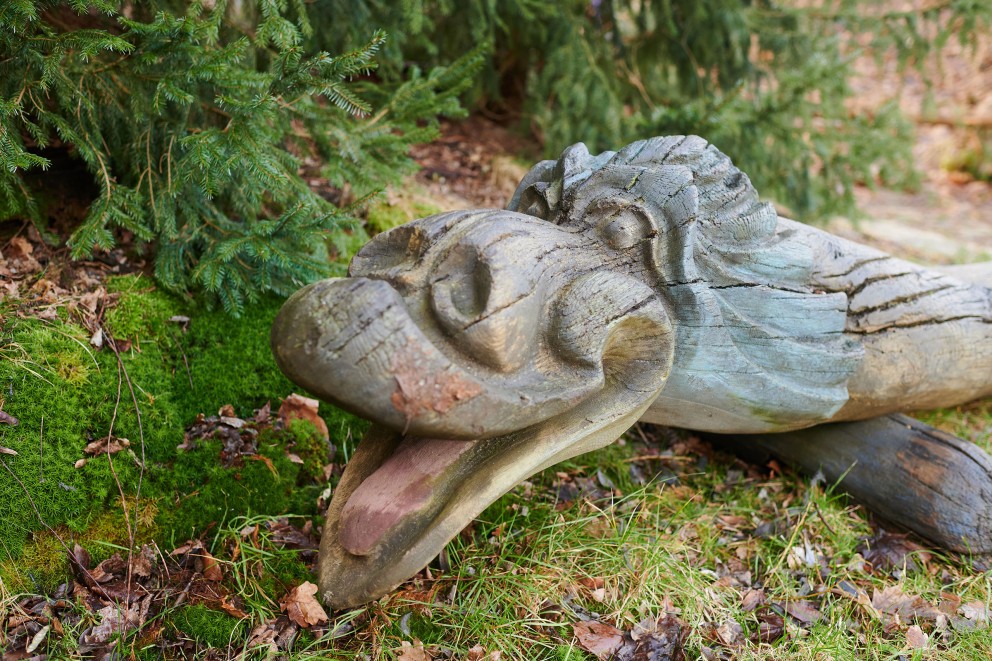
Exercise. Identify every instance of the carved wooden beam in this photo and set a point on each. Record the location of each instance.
(649, 283)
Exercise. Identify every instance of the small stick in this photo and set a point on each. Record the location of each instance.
(41, 452)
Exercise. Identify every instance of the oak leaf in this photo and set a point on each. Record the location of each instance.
(301, 606)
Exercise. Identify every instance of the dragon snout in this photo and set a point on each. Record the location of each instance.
(482, 303)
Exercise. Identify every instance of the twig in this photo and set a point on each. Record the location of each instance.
(41, 452)
(822, 519)
(113, 471)
(141, 437)
(182, 595)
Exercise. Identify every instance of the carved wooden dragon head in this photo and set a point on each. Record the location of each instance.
(487, 345)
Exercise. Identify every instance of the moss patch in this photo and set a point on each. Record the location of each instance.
(67, 393)
(207, 626)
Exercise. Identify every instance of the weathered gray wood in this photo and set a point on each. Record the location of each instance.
(976, 274)
(649, 282)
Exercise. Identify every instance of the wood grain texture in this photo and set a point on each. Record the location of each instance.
(909, 473)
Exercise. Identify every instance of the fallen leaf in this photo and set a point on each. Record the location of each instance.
(752, 599)
(916, 639)
(412, 651)
(303, 408)
(598, 638)
(730, 633)
(476, 653)
(655, 639)
(771, 627)
(975, 611)
(37, 639)
(4, 450)
(804, 611)
(8, 419)
(301, 607)
(887, 551)
(893, 601)
(107, 445)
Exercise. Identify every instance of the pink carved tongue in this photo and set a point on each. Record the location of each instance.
(398, 491)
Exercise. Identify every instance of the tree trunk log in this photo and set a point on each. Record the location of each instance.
(923, 479)
(976, 274)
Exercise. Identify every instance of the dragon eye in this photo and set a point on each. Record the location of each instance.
(626, 229)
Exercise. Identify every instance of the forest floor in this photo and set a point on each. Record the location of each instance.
(161, 489)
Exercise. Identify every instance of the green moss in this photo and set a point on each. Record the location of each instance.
(207, 626)
(67, 393)
(310, 446)
(206, 494)
(398, 210)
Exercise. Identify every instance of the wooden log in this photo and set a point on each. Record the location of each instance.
(976, 274)
(909, 473)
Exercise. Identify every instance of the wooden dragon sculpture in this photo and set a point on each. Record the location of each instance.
(644, 284)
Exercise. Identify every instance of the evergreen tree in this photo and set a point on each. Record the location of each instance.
(765, 80)
(194, 120)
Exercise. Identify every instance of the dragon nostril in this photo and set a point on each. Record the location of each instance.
(470, 292)
(461, 292)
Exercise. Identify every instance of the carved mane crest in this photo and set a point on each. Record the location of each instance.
(751, 328)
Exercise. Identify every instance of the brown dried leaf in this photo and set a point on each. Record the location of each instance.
(887, 551)
(412, 651)
(894, 601)
(804, 611)
(303, 408)
(301, 607)
(976, 611)
(107, 445)
(4, 450)
(916, 639)
(771, 627)
(476, 653)
(598, 638)
(211, 568)
(661, 639)
(8, 419)
(752, 599)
